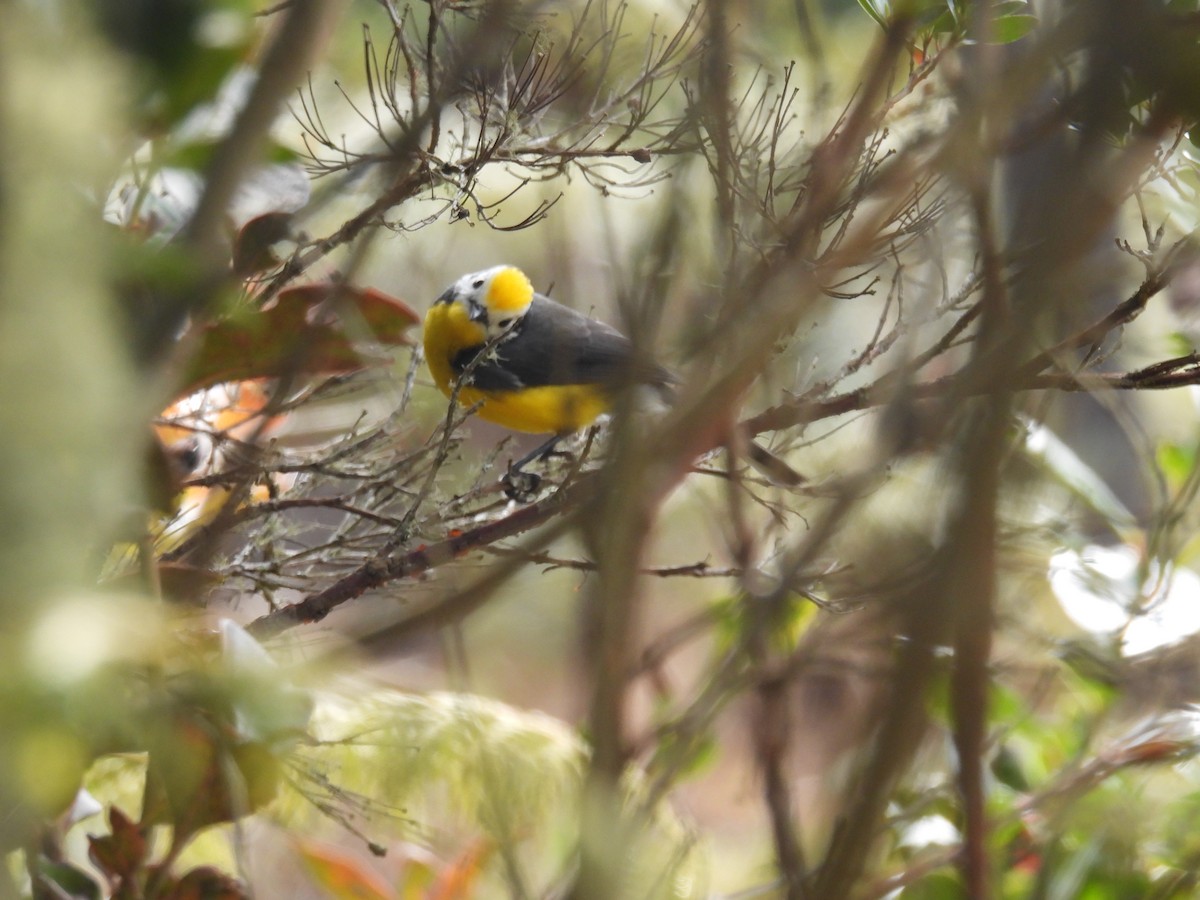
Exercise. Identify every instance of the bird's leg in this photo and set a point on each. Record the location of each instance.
(520, 485)
(541, 451)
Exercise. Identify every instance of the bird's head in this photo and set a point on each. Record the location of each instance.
(496, 298)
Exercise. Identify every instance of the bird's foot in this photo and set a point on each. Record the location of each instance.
(521, 486)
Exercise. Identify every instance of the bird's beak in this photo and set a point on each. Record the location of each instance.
(476, 312)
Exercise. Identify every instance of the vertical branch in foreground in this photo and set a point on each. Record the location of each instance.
(616, 529)
(971, 598)
(771, 742)
(972, 581)
(717, 117)
(971, 586)
(641, 471)
(921, 606)
(955, 602)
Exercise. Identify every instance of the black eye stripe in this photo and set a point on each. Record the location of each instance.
(478, 284)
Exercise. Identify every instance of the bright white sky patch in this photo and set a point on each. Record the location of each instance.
(1098, 589)
(930, 830)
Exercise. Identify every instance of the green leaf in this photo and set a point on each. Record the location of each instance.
(73, 882)
(684, 754)
(1007, 769)
(727, 621)
(183, 50)
(266, 709)
(878, 13)
(1096, 664)
(946, 23)
(937, 699)
(1006, 705)
(791, 621)
(197, 154)
(1109, 885)
(1068, 879)
(1176, 462)
(1007, 29)
(943, 884)
(1178, 343)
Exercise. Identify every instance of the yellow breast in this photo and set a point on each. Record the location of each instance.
(448, 331)
(553, 409)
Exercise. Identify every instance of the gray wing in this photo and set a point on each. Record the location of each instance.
(557, 345)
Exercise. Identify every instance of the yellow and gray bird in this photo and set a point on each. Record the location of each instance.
(532, 364)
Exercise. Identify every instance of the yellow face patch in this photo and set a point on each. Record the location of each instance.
(510, 292)
(448, 330)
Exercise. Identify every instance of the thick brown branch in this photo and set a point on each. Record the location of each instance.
(378, 572)
(1178, 372)
(1124, 313)
(1160, 376)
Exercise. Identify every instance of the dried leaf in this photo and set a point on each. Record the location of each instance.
(120, 853)
(343, 875)
(302, 331)
(253, 247)
(458, 880)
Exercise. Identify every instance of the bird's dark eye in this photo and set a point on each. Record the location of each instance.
(504, 323)
(189, 455)
(478, 283)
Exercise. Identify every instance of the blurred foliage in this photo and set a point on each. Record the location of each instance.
(854, 245)
(484, 775)
(181, 51)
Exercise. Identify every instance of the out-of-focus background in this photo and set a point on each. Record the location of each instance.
(275, 625)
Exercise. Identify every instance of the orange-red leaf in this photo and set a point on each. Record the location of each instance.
(343, 875)
(309, 329)
(206, 883)
(122, 852)
(457, 881)
(1154, 751)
